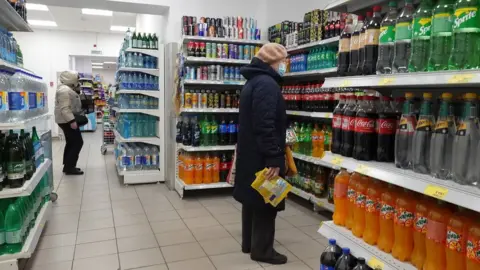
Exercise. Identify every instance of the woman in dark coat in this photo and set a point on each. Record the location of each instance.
(261, 144)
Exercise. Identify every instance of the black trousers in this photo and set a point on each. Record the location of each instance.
(73, 146)
(258, 232)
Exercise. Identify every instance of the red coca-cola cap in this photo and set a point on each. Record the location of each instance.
(353, 97)
(359, 97)
(377, 8)
(361, 17)
(369, 14)
(343, 97)
(384, 98)
(400, 99)
(368, 98)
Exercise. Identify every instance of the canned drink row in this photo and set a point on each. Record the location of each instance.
(228, 27)
(214, 73)
(211, 99)
(222, 50)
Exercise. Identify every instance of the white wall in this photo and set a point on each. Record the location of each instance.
(289, 10)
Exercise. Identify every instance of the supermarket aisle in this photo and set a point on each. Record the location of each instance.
(99, 224)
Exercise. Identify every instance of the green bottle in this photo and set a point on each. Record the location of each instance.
(37, 146)
(204, 135)
(155, 41)
(150, 44)
(19, 56)
(213, 132)
(2, 161)
(441, 35)
(13, 229)
(15, 162)
(301, 138)
(308, 139)
(144, 41)
(403, 38)
(2, 233)
(422, 24)
(134, 40)
(29, 154)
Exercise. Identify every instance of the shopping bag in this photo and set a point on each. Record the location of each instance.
(273, 191)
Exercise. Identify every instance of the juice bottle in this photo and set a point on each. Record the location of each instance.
(457, 231)
(351, 195)
(403, 223)
(359, 209)
(340, 197)
(189, 169)
(208, 169)
(372, 212)
(318, 140)
(438, 217)
(180, 165)
(419, 231)
(216, 168)
(473, 246)
(198, 176)
(386, 235)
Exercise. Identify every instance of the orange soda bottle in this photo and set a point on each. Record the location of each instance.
(216, 168)
(473, 247)
(198, 179)
(456, 242)
(208, 169)
(386, 234)
(402, 225)
(340, 197)
(419, 231)
(438, 217)
(180, 165)
(351, 195)
(372, 212)
(189, 169)
(359, 208)
(318, 142)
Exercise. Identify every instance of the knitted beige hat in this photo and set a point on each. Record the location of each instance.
(271, 53)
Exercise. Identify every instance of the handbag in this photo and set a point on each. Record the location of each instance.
(81, 119)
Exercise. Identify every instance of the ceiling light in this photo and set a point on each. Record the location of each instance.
(99, 12)
(97, 64)
(40, 7)
(42, 23)
(97, 67)
(110, 63)
(121, 28)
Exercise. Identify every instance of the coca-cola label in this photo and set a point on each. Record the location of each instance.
(364, 125)
(337, 121)
(346, 122)
(386, 126)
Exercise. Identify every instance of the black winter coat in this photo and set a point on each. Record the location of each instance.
(261, 131)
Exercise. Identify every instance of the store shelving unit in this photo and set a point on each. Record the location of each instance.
(151, 93)
(140, 177)
(205, 148)
(29, 185)
(317, 73)
(317, 202)
(150, 71)
(208, 82)
(313, 44)
(191, 59)
(186, 39)
(208, 110)
(351, 6)
(11, 20)
(149, 140)
(152, 112)
(311, 114)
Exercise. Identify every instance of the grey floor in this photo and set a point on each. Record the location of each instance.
(99, 224)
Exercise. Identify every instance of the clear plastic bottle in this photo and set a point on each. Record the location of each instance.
(130, 165)
(404, 135)
(147, 160)
(140, 62)
(4, 88)
(138, 156)
(17, 98)
(355, 46)
(403, 38)
(422, 136)
(387, 40)
(422, 24)
(155, 157)
(441, 35)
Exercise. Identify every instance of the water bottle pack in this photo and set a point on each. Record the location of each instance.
(138, 81)
(137, 156)
(139, 60)
(127, 101)
(8, 47)
(137, 125)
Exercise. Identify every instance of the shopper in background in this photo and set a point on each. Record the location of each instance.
(261, 143)
(67, 105)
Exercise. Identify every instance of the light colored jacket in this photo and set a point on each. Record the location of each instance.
(67, 101)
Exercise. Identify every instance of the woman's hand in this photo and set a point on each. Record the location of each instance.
(272, 172)
(74, 125)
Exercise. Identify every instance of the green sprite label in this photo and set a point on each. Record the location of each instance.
(466, 19)
(2, 238)
(422, 27)
(14, 237)
(387, 34)
(442, 23)
(15, 170)
(403, 31)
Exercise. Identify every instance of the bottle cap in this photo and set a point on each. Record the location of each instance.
(385, 98)
(361, 260)
(343, 97)
(360, 18)
(470, 96)
(427, 95)
(447, 95)
(392, 4)
(332, 242)
(409, 95)
(377, 8)
(369, 14)
(346, 250)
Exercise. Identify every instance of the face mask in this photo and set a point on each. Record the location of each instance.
(282, 68)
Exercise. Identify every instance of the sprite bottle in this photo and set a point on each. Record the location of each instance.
(466, 36)
(422, 23)
(403, 38)
(441, 36)
(387, 40)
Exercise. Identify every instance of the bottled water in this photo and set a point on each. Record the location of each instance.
(130, 164)
(13, 57)
(123, 159)
(135, 81)
(140, 60)
(17, 97)
(4, 88)
(155, 157)
(130, 81)
(138, 156)
(147, 157)
(129, 60)
(141, 81)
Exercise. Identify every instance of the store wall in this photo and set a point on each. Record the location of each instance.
(281, 10)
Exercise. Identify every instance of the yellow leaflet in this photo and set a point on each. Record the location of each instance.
(337, 161)
(375, 264)
(386, 81)
(436, 191)
(363, 169)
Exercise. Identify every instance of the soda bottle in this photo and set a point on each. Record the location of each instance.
(386, 234)
(362, 43)
(15, 160)
(223, 132)
(365, 136)
(348, 126)
(361, 265)
(441, 35)
(466, 35)
(337, 125)
(422, 136)
(386, 128)
(457, 231)
(198, 178)
(216, 168)
(441, 145)
(13, 229)
(359, 208)
(180, 165)
(330, 255)
(327, 131)
(213, 132)
(331, 186)
(344, 48)
(296, 145)
(419, 231)
(355, 46)
(179, 135)
(301, 138)
(371, 42)
(318, 141)
(346, 261)
(387, 40)
(372, 212)
(438, 218)
(307, 143)
(232, 132)
(205, 133)
(320, 182)
(189, 169)
(351, 196)
(196, 130)
(422, 24)
(403, 38)
(223, 168)
(403, 223)
(340, 197)
(208, 169)
(404, 136)
(466, 138)
(473, 246)
(186, 132)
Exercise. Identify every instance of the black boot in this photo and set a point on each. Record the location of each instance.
(277, 258)
(72, 171)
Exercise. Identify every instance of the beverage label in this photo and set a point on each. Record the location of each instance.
(386, 126)
(441, 127)
(3, 100)
(14, 237)
(462, 129)
(32, 100)
(155, 160)
(40, 100)
(138, 160)
(407, 124)
(403, 217)
(455, 239)
(340, 190)
(473, 249)
(232, 128)
(371, 205)
(337, 121)
(15, 170)
(360, 201)
(387, 34)
(199, 166)
(29, 166)
(424, 124)
(362, 40)
(213, 129)
(442, 24)
(348, 123)
(344, 45)
(436, 231)
(324, 267)
(466, 20)
(386, 211)
(364, 125)
(354, 43)
(420, 222)
(147, 160)
(2, 238)
(422, 28)
(403, 31)
(351, 195)
(371, 36)
(18, 101)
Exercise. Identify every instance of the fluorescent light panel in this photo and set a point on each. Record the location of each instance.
(121, 28)
(97, 64)
(98, 12)
(110, 63)
(42, 23)
(97, 67)
(31, 6)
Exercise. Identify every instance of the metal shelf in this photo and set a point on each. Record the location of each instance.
(214, 82)
(351, 6)
(191, 59)
(181, 184)
(151, 52)
(311, 114)
(375, 258)
(313, 44)
(149, 140)
(24, 124)
(29, 185)
(206, 148)
(208, 110)
(186, 39)
(140, 177)
(10, 19)
(153, 112)
(320, 202)
(151, 71)
(12, 67)
(312, 73)
(151, 93)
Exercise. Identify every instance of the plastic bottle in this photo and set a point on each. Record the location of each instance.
(422, 136)
(344, 48)
(456, 245)
(359, 221)
(330, 255)
(327, 131)
(232, 132)
(331, 185)
(17, 97)
(355, 46)
(346, 261)
(387, 40)
(348, 126)
(386, 235)
(130, 162)
(189, 169)
(15, 161)
(155, 157)
(216, 168)
(340, 197)
(404, 136)
(371, 42)
(213, 132)
(4, 89)
(208, 169)
(361, 264)
(441, 146)
(307, 142)
(422, 25)
(419, 231)
(441, 35)
(473, 246)
(372, 212)
(337, 125)
(403, 223)
(198, 173)
(466, 36)
(438, 217)
(318, 140)
(351, 196)
(13, 229)
(403, 38)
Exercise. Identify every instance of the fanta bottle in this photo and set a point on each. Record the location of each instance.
(216, 168)
(208, 169)
(372, 212)
(189, 169)
(340, 197)
(457, 232)
(402, 225)
(198, 179)
(359, 209)
(386, 235)
(473, 246)
(180, 165)
(438, 218)
(419, 231)
(351, 195)
(318, 142)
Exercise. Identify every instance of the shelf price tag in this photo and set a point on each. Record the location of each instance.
(363, 169)
(376, 264)
(346, 83)
(386, 81)
(329, 115)
(337, 161)
(296, 191)
(436, 191)
(461, 78)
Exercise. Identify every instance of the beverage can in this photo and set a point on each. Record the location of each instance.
(211, 72)
(201, 31)
(219, 50)
(199, 73)
(203, 100)
(204, 73)
(187, 73)
(226, 73)
(219, 73)
(246, 53)
(209, 99)
(238, 76)
(214, 50)
(257, 34)
(188, 99)
(240, 52)
(216, 100)
(194, 100)
(257, 48)
(209, 50)
(222, 100)
(225, 51)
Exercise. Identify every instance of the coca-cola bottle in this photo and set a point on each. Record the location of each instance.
(337, 125)
(365, 135)
(386, 128)
(348, 126)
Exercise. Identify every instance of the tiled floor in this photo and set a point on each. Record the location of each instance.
(99, 224)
